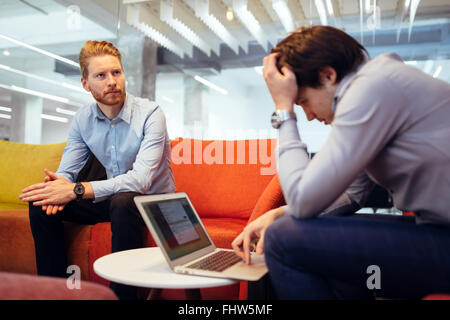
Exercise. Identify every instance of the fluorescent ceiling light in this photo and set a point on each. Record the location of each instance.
(149, 24)
(5, 116)
(5, 109)
(167, 15)
(258, 69)
(202, 10)
(321, 10)
(65, 111)
(6, 52)
(368, 6)
(437, 72)
(44, 52)
(211, 85)
(283, 12)
(41, 94)
(330, 7)
(54, 118)
(250, 22)
(30, 75)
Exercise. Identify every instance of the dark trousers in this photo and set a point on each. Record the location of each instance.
(119, 209)
(357, 257)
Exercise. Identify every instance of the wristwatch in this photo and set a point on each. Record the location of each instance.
(79, 190)
(279, 116)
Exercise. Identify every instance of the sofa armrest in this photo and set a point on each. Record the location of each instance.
(271, 198)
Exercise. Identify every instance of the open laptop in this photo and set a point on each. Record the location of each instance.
(185, 243)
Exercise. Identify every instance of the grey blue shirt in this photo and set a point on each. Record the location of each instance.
(391, 127)
(134, 148)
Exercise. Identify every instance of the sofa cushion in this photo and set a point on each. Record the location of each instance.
(23, 164)
(17, 249)
(223, 178)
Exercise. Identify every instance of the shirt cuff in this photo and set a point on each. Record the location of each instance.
(102, 189)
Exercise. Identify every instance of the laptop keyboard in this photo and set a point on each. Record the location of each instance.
(219, 261)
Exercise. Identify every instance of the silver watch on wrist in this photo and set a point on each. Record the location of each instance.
(279, 116)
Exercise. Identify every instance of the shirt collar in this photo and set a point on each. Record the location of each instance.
(124, 114)
(343, 85)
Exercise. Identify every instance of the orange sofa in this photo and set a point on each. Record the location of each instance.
(229, 183)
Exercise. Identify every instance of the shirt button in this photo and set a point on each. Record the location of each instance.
(113, 147)
(112, 126)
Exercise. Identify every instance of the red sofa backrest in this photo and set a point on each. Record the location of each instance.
(223, 178)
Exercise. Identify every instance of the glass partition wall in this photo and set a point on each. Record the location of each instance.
(200, 60)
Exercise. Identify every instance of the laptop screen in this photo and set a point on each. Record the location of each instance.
(177, 226)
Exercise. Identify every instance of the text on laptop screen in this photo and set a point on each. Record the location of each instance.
(177, 226)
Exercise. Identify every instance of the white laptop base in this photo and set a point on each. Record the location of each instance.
(183, 239)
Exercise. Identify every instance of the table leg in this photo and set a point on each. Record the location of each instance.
(154, 294)
(193, 294)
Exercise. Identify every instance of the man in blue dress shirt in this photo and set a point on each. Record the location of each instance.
(129, 138)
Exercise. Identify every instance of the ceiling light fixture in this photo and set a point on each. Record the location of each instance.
(54, 118)
(283, 12)
(202, 11)
(149, 24)
(321, 10)
(5, 116)
(211, 85)
(168, 10)
(329, 7)
(6, 109)
(44, 52)
(6, 52)
(30, 75)
(41, 94)
(65, 111)
(250, 22)
(230, 14)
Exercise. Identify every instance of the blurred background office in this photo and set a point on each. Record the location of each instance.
(199, 59)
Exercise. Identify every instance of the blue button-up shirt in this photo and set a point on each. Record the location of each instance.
(134, 148)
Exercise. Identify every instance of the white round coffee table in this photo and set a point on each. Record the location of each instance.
(147, 267)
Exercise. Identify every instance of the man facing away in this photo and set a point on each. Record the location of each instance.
(390, 125)
(129, 138)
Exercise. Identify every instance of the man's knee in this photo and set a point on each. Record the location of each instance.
(122, 205)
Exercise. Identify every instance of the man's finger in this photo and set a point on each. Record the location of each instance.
(246, 248)
(237, 246)
(34, 187)
(51, 174)
(260, 244)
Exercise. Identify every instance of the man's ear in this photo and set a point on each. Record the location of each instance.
(328, 75)
(85, 85)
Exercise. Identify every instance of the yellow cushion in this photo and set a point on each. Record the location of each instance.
(22, 165)
(13, 206)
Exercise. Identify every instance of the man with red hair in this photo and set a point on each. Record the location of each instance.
(129, 138)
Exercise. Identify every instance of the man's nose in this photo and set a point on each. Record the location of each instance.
(111, 81)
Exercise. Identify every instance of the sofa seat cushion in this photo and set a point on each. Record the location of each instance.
(13, 206)
(17, 249)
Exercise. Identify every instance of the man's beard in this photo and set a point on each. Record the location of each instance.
(110, 99)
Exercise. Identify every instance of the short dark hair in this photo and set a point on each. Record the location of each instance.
(309, 49)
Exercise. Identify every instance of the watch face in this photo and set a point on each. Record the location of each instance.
(275, 120)
(79, 189)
